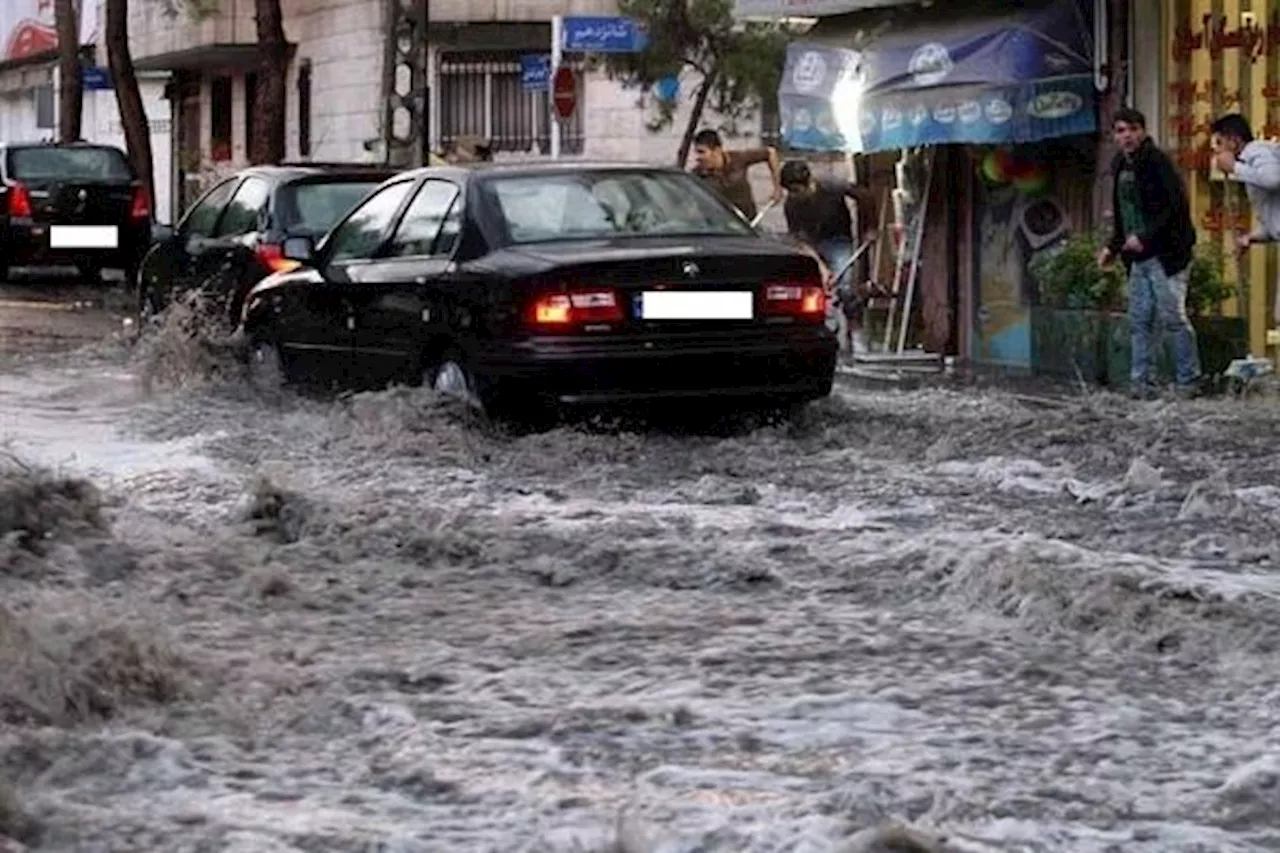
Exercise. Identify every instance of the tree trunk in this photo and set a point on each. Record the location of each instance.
(133, 117)
(695, 116)
(70, 83)
(268, 144)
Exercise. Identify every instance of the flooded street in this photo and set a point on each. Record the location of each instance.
(370, 624)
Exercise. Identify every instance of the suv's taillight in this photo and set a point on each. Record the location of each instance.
(271, 256)
(571, 309)
(801, 300)
(140, 208)
(19, 201)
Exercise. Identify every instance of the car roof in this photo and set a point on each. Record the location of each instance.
(534, 167)
(302, 170)
(36, 143)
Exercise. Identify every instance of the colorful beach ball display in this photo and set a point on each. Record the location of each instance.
(1002, 166)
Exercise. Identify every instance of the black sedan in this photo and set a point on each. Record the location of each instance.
(232, 236)
(516, 286)
(71, 204)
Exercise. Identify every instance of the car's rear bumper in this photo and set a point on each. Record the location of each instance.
(792, 364)
(28, 243)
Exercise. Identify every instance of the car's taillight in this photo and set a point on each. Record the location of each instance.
(575, 308)
(140, 208)
(272, 257)
(796, 299)
(19, 201)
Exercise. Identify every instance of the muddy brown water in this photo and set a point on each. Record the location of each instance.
(1030, 628)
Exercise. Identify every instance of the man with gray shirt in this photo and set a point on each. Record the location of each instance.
(1255, 164)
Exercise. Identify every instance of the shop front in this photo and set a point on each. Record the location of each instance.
(1222, 56)
(997, 107)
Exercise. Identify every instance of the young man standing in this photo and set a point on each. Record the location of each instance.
(1154, 238)
(1256, 165)
(726, 171)
(818, 217)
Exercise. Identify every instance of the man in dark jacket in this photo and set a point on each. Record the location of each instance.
(1154, 238)
(818, 217)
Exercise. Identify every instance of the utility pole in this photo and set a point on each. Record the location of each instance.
(406, 136)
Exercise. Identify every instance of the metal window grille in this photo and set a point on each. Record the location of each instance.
(481, 94)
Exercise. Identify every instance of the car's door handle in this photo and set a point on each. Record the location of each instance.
(422, 279)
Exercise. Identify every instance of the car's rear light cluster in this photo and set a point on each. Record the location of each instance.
(140, 206)
(19, 201)
(802, 300)
(575, 308)
(271, 256)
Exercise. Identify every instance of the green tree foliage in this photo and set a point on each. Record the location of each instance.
(739, 65)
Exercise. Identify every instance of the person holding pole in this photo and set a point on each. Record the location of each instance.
(818, 217)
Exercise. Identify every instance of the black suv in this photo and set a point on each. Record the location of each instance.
(232, 236)
(71, 204)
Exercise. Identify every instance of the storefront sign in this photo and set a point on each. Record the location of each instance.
(1252, 39)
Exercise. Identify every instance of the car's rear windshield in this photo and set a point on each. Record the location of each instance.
(608, 203)
(313, 207)
(68, 164)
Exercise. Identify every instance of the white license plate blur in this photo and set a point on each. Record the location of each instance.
(697, 305)
(84, 237)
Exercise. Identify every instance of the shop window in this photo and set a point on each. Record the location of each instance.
(220, 119)
(250, 102)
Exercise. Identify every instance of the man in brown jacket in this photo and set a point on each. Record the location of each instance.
(726, 171)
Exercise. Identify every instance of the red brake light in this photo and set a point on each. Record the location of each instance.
(272, 257)
(19, 201)
(141, 206)
(806, 301)
(575, 308)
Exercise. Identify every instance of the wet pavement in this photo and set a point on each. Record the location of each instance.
(372, 624)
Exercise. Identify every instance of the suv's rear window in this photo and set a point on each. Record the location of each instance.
(53, 164)
(314, 206)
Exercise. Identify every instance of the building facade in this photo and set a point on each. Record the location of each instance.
(335, 91)
(1194, 60)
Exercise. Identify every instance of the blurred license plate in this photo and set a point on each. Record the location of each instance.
(84, 237)
(697, 305)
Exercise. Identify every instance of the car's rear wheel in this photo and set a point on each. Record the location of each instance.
(453, 379)
(267, 371)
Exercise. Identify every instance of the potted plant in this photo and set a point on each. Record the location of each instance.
(1071, 316)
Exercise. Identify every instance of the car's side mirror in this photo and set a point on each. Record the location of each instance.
(161, 233)
(300, 249)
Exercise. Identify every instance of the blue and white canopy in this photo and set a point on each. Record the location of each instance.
(993, 76)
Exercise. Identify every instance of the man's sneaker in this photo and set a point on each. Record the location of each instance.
(1142, 392)
(1190, 391)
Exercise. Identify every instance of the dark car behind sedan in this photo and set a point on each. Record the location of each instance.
(71, 204)
(232, 236)
(515, 286)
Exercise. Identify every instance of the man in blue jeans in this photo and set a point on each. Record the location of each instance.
(1154, 237)
(818, 216)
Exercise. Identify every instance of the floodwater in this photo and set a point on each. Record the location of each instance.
(383, 627)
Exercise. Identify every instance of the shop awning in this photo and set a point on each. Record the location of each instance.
(807, 8)
(935, 76)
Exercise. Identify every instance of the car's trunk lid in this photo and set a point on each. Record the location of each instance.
(677, 286)
(80, 202)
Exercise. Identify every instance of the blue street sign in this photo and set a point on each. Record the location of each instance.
(535, 72)
(603, 35)
(95, 77)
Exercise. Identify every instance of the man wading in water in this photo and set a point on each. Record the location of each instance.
(818, 217)
(726, 171)
(1154, 237)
